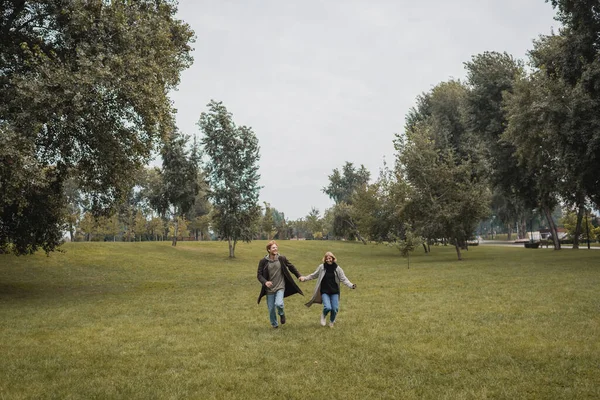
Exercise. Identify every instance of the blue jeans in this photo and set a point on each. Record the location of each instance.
(331, 303)
(275, 304)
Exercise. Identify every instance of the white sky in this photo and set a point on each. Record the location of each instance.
(325, 82)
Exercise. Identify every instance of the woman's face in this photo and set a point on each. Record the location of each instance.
(329, 259)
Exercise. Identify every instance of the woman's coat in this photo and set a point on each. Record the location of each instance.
(319, 274)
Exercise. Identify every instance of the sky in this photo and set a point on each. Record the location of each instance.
(325, 82)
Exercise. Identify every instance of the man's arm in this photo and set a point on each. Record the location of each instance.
(259, 272)
(291, 267)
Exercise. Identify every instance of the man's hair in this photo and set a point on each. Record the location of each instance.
(329, 254)
(271, 243)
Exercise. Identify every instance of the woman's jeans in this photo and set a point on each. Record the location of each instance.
(275, 301)
(331, 303)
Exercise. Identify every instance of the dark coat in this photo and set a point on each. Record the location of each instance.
(286, 266)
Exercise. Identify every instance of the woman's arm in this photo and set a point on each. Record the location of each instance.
(343, 278)
(314, 274)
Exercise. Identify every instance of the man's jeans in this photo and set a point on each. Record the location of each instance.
(331, 303)
(275, 301)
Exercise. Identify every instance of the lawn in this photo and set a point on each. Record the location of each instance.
(149, 321)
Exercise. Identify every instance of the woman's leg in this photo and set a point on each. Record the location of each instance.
(335, 307)
(326, 307)
(326, 303)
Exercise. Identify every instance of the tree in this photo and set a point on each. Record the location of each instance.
(540, 167)
(88, 226)
(267, 225)
(490, 76)
(341, 189)
(140, 225)
(156, 227)
(199, 214)
(446, 200)
(314, 223)
(83, 90)
(232, 172)
(343, 185)
(569, 221)
(112, 226)
(180, 178)
(569, 66)
(442, 165)
(408, 243)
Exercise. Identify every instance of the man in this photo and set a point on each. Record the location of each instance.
(277, 282)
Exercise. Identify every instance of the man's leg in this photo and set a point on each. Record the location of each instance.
(271, 306)
(279, 305)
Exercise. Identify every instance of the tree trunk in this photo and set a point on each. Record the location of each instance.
(231, 248)
(509, 232)
(552, 226)
(425, 247)
(578, 226)
(360, 237)
(522, 228)
(176, 232)
(456, 245)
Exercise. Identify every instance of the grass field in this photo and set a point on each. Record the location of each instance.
(148, 321)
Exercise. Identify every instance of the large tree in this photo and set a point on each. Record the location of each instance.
(180, 178)
(528, 130)
(490, 76)
(342, 188)
(570, 64)
(446, 199)
(83, 87)
(232, 171)
(441, 163)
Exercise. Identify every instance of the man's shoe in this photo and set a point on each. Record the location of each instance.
(282, 319)
(323, 322)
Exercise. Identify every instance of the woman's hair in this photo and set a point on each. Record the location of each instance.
(271, 243)
(329, 254)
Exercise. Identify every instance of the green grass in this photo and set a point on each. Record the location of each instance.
(148, 321)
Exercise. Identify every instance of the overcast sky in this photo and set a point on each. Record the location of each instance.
(325, 82)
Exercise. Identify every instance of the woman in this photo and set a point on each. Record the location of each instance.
(327, 290)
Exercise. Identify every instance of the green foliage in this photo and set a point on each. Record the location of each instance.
(343, 185)
(570, 65)
(342, 189)
(314, 223)
(569, 222)
(232, 172)
(267, 225)
(179, 173)
(446, 190)
(83, 91)
(407, 243)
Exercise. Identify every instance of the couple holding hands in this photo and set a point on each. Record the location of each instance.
(274, 273)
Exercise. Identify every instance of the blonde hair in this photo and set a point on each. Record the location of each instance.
(329, 254)
(271, 243)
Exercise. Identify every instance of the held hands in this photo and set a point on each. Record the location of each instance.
(302, 279)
